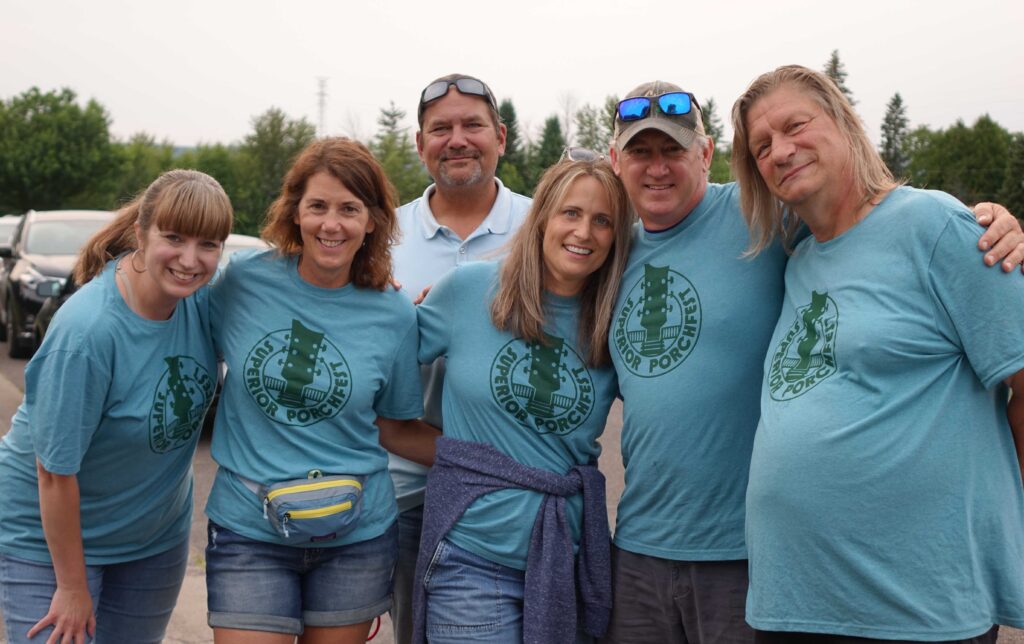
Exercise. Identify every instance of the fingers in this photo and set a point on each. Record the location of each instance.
(423, 295)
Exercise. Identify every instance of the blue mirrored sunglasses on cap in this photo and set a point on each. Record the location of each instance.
(671, 104)
(470, 86)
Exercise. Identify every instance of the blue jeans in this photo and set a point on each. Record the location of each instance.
(257, 586)
(410, 524)
(133, 601)
(472, 599)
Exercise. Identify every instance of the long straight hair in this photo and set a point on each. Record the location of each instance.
(187, 202)
(766, 216)
(518, 305)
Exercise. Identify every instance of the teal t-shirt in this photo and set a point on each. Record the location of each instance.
(118, 401)
(539, 404)
(885, 497)
(691, 328)
(309, 370)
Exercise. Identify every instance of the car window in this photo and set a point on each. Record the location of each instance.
(60, 237)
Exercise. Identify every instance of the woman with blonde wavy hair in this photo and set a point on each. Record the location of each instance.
(96, 471)
(321, 356)
(515, 489)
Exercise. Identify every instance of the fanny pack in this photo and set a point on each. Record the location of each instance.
(316, 508)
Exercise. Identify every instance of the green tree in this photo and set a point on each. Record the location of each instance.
(835, 70)
(712, 122)
(894, 134)
(142, 160)
(397, 155)
(595, 125)
(512, 165)
(1011, 194)
(222, 162)
(51, 150)
(549, 150)
(265, 155)
(967, 162)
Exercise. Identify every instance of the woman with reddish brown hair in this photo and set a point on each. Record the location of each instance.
(322, 371)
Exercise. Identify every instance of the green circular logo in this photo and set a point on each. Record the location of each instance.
(543, 385)
(659, 322)
(806, 354)
(179, 403)
(297, 376)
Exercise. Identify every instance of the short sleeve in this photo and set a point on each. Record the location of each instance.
(65, 393)
(435, 317)
(983, 303)
(402, 395)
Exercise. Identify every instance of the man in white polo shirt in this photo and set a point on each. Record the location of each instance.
(467, 214)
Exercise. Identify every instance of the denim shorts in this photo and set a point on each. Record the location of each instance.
(258, 586)
(473, 599)
(132, 601)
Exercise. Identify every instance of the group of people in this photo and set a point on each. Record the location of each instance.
(791, 474)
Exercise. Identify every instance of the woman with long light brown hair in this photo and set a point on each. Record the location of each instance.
(96, 471)
(528, 384)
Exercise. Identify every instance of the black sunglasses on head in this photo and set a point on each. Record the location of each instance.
(466, 85)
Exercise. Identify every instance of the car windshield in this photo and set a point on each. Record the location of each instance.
(60, 237)
(6, 230)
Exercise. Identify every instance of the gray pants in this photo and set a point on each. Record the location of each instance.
(660, 601)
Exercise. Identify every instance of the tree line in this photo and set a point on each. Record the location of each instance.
(56, 153)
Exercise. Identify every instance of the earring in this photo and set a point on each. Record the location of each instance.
(131, 259)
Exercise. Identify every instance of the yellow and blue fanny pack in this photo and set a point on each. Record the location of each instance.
(313, 509)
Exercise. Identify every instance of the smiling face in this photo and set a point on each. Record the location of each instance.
(176, 265)
(665, 181)
(800, 153)
(459, 142)
(332, 223)
(577, 237)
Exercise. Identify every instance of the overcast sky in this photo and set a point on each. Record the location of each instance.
(197, 71)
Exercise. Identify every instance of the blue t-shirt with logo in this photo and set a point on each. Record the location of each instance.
(425, 253)
(885, 497)
(118, 401)
(536, 402)
(691, 328)
(309, 370)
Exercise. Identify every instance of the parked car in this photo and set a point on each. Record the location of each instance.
(43, 251)
(8, 224)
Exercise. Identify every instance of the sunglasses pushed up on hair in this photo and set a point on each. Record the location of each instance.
(468, 86)
(670, 104)
(573, 153)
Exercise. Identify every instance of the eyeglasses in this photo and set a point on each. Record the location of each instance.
(580, 154)
(671, 104)
(468, 86)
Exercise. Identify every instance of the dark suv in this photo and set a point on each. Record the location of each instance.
(43, 249)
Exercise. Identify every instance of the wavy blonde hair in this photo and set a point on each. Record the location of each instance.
(518, 305)
(766, 216)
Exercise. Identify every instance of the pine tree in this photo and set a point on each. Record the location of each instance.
(397, 155)
(712, 123)
(1011, 194)
(512, 166)
(895, 127)
(549, 151)
(835, 70)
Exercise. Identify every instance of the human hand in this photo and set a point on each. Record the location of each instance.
(423, 294)
(1004, 239)
(70, 615)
